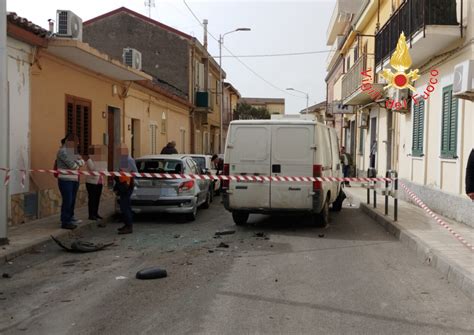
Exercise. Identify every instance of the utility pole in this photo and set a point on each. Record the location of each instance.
(4, 127)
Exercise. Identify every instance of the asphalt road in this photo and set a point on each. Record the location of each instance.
(349, 278)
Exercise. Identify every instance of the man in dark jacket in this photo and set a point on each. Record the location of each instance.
(470, 176)
(169, 149)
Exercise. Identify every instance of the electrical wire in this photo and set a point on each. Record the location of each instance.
(239, 60)
(283, 54)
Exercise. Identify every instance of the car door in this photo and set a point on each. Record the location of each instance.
(292, 155)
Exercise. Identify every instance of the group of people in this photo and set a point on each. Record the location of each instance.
(95, 160)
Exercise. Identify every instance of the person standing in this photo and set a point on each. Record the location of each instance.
(169, 149)
(96, 162)
(218, 163)
(470, 176)
(346, 165)
(68, 159)
(124, 186)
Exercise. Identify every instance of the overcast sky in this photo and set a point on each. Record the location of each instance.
(277, 27)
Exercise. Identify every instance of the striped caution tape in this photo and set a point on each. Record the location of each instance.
(442, 223)
(196, 176)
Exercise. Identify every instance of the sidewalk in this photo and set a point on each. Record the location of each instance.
(27, 237)
(433, 244)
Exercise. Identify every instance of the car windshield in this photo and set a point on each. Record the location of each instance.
(201, 162)
(159, 166)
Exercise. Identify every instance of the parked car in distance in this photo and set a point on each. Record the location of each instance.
(204, 162)
(180, 196)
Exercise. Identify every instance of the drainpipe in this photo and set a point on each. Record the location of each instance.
(4, 122)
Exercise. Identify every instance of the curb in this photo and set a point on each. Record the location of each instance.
(424, 253)
(61, 233)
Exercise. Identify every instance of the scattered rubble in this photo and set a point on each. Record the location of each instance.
(224, 232)
(80, 246)
(223, 245)
(152, 273)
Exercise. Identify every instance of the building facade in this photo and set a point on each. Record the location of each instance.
(426, 140)
(273, 105)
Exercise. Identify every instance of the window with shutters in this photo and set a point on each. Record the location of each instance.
(449, 124)
(78, 121)
(418, 127)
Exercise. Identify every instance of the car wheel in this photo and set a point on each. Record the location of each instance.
(240, 218)
(192, 216)
(207, 203)
(211, 192)
(337, 205)
(321, 219)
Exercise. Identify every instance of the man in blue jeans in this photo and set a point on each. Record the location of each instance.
(124, 188)
(67, 159)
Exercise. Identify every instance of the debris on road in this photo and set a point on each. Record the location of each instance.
(82, 246)
(321, 235)
(223, 245)
(152, 273)
(210, 251)
(120, 278)
(224, 232)
(176, 235)
(259, 234)
(6, 275)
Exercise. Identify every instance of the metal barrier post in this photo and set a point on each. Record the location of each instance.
(395, 202)
(372, 173)
(387, 174)
(368, 187)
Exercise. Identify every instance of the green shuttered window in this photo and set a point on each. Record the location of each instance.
(449, 124)
(418, 126)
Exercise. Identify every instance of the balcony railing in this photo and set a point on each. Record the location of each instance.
(352, 80)
(411, 17)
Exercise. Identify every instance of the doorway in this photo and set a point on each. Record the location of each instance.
(373, 141)
(113, 138)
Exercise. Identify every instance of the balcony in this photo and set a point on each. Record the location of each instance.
(429, 26)
(341, 17)
(352, 93)
(334, 52)
(203, 102)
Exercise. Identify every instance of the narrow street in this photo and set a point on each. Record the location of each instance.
(351, 277)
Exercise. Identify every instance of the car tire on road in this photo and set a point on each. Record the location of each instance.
(321, 219)
(240, 218)
(192, 216)
(337, 205)
(208, 201)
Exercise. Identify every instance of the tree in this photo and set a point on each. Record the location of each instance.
(244, 111)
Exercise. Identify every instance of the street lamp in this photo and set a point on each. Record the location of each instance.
(221, 42)
(307, 95)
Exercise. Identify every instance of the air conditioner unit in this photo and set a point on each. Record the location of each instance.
(463, 85)
(69, 24)
(132, 58)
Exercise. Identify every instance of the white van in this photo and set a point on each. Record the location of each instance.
(293, 148)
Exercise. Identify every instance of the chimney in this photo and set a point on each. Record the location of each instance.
(51, 25)
(204, 22)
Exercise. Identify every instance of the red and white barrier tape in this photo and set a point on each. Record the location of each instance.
(197, 176)
(434, 216)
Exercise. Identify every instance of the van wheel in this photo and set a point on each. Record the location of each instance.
(240, 218)
(337, 205)
(321, 219)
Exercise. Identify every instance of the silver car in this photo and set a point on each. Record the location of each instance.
(181, 196)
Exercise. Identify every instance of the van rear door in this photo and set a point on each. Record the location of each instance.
(292, 155)
(248, 153)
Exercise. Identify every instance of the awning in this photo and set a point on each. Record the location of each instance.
(84, 55)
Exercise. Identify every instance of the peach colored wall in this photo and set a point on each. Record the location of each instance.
(52, 79)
